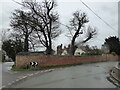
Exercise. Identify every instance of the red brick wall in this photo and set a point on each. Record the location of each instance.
(61, 60)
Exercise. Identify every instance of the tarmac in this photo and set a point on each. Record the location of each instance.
(115, 75)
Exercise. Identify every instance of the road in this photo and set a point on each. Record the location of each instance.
(10, 77)
(82, 76)
(0, 75)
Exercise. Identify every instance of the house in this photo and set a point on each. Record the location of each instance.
(66, 50)
(63, 51)
(79, 52)
(105, 48)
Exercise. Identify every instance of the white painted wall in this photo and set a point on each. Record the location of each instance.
(78, 52)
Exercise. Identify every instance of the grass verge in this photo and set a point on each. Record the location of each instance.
(44, 67)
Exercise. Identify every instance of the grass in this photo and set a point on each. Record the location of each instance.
(44, 67)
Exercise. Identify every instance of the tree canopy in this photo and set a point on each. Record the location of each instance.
(12, 47)
(39, 20)
(38, 23)
(113, 44)
(77, 23)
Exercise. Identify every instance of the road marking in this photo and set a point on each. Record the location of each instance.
(37, 72)
(9, 83)
(46, 70)
(13, 81)
(24, 77)
(17, 80)
(42, 71)
(30, 75)
(20, 78)
(50, 70)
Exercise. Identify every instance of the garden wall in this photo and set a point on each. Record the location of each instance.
(60, 60)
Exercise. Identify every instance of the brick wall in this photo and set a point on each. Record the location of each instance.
(60, 60)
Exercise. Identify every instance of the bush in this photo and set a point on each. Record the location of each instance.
(25, 67)
(113, 53)
(8, 60)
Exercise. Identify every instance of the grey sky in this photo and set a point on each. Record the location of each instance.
(106, 10)
(119, 20)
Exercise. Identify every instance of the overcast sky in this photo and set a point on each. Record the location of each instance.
(107, 10)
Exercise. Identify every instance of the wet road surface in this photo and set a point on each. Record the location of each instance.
(10, 77)
(0, 75)
(82, 76)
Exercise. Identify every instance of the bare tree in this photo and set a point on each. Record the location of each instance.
(76, 24)
(4, 35)
(44, 21)
(21, 27)
(91, 32)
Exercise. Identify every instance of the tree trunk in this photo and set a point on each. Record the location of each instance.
(26, 44)
(73, 40)
(50, 46)
(72, 47)
(49, 51)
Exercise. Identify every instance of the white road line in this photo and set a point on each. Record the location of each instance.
(30, 75)
(9, 83)
(49, 70)
(17, 80)
(42, 71)
(46, 70)
(52, 69)
(20, 78)
(24, 77)
(36, 72)
(13, 81)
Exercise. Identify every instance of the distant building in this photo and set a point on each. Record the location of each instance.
(66, 50)
(63, 51)
(79, 52)
(105, 48)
